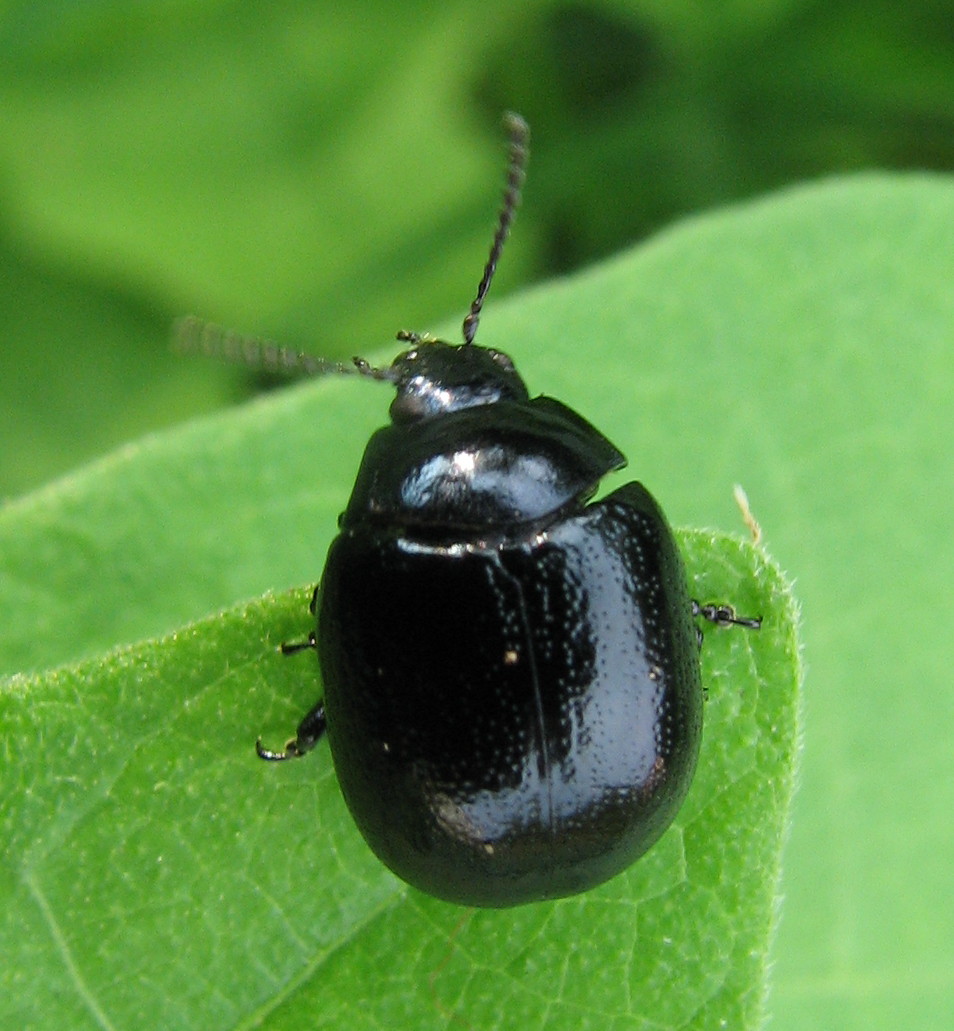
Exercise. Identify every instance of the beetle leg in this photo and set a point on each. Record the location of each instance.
(290, 647)
(724, 615)
(312, 727)
(309, 733)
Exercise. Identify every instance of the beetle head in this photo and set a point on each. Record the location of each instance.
(434, 378)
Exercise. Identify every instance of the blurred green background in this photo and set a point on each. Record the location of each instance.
(328, 175)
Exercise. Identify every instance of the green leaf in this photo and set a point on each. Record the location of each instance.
(800, 345)
(171, 879)
(168, 878)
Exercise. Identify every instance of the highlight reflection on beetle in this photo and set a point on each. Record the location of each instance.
(512, 690)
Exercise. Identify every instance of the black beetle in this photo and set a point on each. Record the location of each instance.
(512, 690)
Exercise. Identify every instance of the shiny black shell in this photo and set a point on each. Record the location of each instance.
(511, 672)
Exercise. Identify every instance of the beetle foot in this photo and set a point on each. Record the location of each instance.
(290, 647)
(724, 615)
(291, 751)
(310, 732)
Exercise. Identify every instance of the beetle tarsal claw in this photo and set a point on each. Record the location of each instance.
(291, 751)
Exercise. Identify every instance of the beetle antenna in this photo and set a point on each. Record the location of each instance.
(519, 133)
(192, 335)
